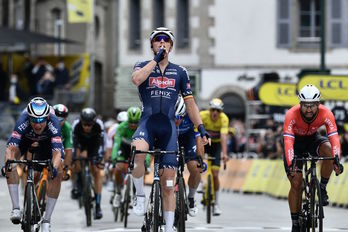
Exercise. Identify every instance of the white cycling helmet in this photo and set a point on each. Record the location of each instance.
(309, 93)
(38, 108)
(122, 116)
(180, 107)
(162, 30)
(216, 103)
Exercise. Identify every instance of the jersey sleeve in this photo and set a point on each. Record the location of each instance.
(289, 137)
(185, 85)
(56, 139)
(332, 134)
(117, 141)
(68, 142)
(20, 128)
(224, 124)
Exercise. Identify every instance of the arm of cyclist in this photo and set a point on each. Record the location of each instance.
(223, 137)
(334, 139)
(193, 112)
(200, 151)
(289, 140)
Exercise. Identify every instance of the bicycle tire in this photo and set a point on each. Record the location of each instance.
(157, 207)
(28, 204)
(115, 210)
(88, 202)
(126, 200)
(316, 207)
(209, 199)
(181, 206)
(41, 197)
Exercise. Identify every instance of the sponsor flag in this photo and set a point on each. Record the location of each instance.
(80, 11)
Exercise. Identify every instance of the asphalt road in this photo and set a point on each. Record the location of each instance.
(241, 212)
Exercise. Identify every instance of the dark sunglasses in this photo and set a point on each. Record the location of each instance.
(160, 37)
(217, 110)
(87, 124)
(37, 120)
(309, 105)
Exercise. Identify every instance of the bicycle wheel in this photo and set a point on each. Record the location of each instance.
(316, 207)
(156, 207)
(41, 197)
(209, 199)
(88, 201)
(126, 201)
(115, 210)
(181, 206)
(28, 207)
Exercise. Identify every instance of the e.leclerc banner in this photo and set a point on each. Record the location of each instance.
(331, 87)
(278, 94)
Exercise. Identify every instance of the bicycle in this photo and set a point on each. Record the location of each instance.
(32, 214)
(153, 220)
(312, 213)
(181, 209)
(87, 186)
(127, 196)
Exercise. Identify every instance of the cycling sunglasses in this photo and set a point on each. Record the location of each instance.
(37, 120)
(61, 119)
(217, 110)
(160, 37)
(87, 124)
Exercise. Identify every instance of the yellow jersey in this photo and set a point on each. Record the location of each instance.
(217, 128)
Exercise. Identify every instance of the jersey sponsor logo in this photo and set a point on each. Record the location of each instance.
(56, 139)
(171, 73)
(291, 124)
(161, 93)
(23, 126)
(52, 128)
(188, 86)
(161, 82)
(330, 124)
(291, 154)
(16, 135)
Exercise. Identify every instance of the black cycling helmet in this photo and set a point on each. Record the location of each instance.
(88, 115)
(61, 110)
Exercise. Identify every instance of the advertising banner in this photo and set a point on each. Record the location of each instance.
(278, 94)
(80, 11)
(331, 87)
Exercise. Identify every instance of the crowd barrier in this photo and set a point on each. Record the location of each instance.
(269, 177)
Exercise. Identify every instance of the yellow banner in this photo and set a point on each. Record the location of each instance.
(331, 87)
(278, 94)
(80, 11)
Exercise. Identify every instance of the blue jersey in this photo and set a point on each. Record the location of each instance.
(159, 92)
(185, 126)
(23, 134)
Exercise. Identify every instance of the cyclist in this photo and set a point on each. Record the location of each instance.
(122, 148)
(216, 123)
(159, 82)
(88, 137)
(121, 117)
(194, 150)
(300, 132)
(62, 112)
(36, 125)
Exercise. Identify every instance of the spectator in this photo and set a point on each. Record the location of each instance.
(16, 93)
(62, 75)
(46, 84)
(38, 71)
(344, 145)
(232, 140)
(27, 70)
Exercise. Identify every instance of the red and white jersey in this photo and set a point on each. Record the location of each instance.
(294, 125)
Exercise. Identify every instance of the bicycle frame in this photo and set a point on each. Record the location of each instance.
(41, 189)
(127, 196)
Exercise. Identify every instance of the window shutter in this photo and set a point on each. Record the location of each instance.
(283, 23)
(336, 23)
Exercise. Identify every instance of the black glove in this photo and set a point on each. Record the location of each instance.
(54, 172)
(202, 131)
(338, 164)
(3, 170)
(160, 55)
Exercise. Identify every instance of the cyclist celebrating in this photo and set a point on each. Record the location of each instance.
(301, 135)
(194, 150)
(159, 82)
(36, 124)
(122, 148)
(88, 137)
(216, 123)
(62, 112)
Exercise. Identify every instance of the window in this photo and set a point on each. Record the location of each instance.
(309, 21)
(158, 13)
(19, 13)
(182, 37)
(58, 32)
(134, 25)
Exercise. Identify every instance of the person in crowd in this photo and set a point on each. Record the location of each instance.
(300, 132)
(38, 71)
(216, 122)
(159, 82)
(38, 129)
(61, 74)
(45, 86)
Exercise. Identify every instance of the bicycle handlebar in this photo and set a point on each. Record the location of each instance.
(151, 152)
(94, 160)
(46, 163)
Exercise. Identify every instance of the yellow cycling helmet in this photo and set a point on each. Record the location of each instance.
(216, 103)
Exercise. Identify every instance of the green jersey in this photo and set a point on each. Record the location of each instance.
(122, 131)
(67, 135)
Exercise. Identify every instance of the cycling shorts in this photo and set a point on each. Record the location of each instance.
(214, 151)
(188, 141)
(123, 153)
(305, 144)
(159, 128)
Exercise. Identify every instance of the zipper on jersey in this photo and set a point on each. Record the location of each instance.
(162, 82)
